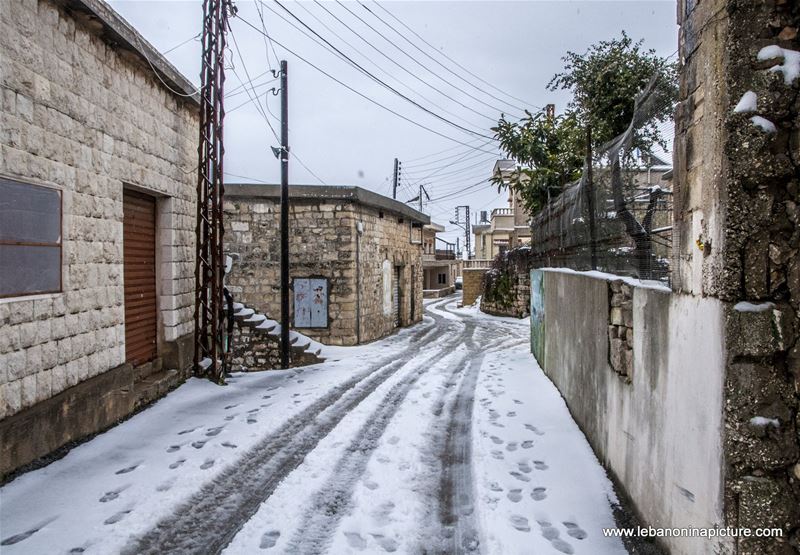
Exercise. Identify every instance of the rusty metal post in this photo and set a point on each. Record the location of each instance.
(209, 355)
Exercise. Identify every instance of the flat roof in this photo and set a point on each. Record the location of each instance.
(115, 30)
(345, 193)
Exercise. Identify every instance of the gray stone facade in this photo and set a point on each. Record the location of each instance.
(82, 111)
(737, 235)
(325, 242)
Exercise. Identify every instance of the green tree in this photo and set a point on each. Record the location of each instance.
(549, 152)
(605, 82)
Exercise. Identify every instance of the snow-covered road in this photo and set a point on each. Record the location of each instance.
(444, 438)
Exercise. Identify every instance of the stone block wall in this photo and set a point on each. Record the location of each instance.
(620, 327)
(87, 117)
(736, 239)
(516, 301)
(325, 242)
(473, 285)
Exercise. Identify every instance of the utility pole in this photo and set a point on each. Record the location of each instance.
(590, 199)
(209, 351)
(394, 180)
(465, 225)
(285, 346)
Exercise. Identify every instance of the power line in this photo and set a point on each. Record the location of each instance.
(449, 58)
(380, 81)
(413, 59)
(439, 160)
(435, 153)
(337, 35)
(362, 95)
(403, 68)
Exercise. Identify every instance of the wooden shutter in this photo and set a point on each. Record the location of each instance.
(139, 258)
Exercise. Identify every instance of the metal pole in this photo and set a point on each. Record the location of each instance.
(590, 195)
(394, 181)
(468, 239)
(285, 346)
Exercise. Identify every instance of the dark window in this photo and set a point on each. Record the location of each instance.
(442, 279)
(30, 239)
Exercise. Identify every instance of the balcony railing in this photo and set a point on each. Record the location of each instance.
(478, 263)
(503, 212)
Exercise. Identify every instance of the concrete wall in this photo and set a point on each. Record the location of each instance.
(324, 242)
(658, 430)
(86, 117)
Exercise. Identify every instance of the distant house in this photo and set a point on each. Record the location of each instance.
(98, 150)
(440, 266)
(356, 259)
(504, 228)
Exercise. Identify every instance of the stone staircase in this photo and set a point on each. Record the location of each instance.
(257, 343)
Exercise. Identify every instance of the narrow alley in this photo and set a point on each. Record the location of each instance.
(443, 438)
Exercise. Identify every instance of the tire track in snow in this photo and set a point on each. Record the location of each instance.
(210, 518)
(330, 503)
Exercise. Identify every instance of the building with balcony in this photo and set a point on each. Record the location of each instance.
(439, 263)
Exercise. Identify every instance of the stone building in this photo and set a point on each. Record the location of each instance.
(355, 259)
(97, 157)
(438, 262)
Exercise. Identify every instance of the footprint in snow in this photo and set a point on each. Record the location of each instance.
(189, 431)
(498, 455)
(127, 469)
(494, 486)
(177, 463)
(355, 541)
(515, 495)
(269, 539)
(524, 467)
(388, 544)
(300, 381)
(166, 486)
(511, 413)
(497, 425)
(208, 464)
(393, 440)
(231, 416)
(116, 517)
(252, 419)
(497, 440)
(113, 494)
(527, 444)
(540, 465)
(199, 444)
(520, 476)
(552, 534)
(369, 484)
(520, 523)
(539, 494)
(76, 550)
(383, 459)
(214, 431)
(266, 396)
(229, 407)
(511, 446)
(28, 533)
(229, 445)
(173, 448)
(251, 411)
(517, 401)
(575, 531)
(534, 429)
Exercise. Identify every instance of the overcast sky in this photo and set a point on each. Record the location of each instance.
(345, 139)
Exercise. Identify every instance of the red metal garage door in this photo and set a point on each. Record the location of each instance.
(139, 246)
